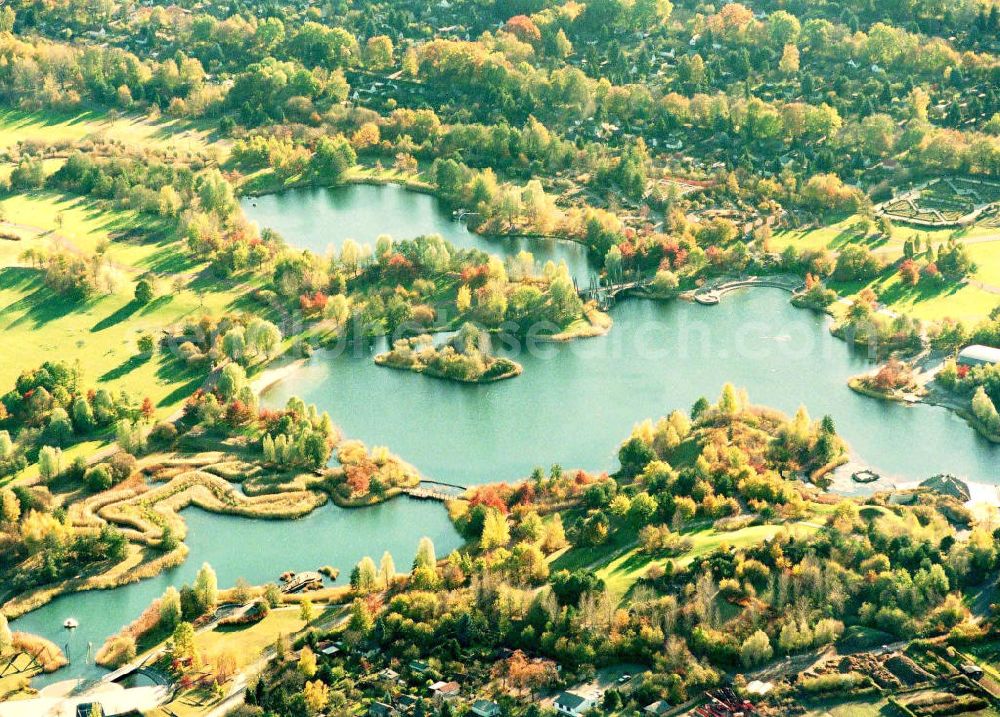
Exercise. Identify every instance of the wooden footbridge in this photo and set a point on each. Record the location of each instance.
(606, 294)
(139, 667)
(434, 490)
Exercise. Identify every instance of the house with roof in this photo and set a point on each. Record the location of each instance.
(485, 708)
(381, 709)
(655, 709)
(442, 690)
(573, 704)
(407, 703)
(388, 675)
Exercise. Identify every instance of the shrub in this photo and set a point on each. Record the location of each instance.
(849, 682)
(122, 465)
(163, 434)
(144, 291)
(98, 478)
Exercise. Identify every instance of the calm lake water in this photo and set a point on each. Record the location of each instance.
(321, 219)
(573, 404)
(258, 550)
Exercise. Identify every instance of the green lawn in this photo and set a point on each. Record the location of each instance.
(959, 301)
(622, 572)
(874, 706)
(100, 333)
(966, 302)
(248, 641)
(52, 127)
(840, 233)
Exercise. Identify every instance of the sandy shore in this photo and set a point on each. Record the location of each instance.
(275, 374)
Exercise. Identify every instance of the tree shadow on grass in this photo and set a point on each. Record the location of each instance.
(17, 278)
(923, 291)
(169, 258)
(117, 317)
(173, 371)
(156, 304)
(181, 392)
(126, 367)
(38, 304)
(845, 236)
(234, 628)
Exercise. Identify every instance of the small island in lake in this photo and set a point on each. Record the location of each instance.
(464, 357)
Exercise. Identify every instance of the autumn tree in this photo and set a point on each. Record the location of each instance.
(756, 649)
(307, 662)
(425, 557)
(364, 577)
(206, 588)
(387, 569)
(496, 531)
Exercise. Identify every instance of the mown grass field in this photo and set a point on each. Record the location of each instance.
(245, 643)
(57, 127)
(100, 333)
(969, 302)
(623, 571)
(248, 642)
(873, 706)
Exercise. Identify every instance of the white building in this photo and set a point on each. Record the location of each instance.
(573, 704)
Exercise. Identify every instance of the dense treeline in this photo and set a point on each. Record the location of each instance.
(865, 572)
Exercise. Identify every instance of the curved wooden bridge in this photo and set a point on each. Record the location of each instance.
(605, 295)
(435, 490)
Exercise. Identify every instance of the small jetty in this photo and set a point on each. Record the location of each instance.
(299, 582)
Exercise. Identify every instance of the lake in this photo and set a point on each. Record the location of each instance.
(575, 402)
(321, 219)
(573, 405)
(258, 550)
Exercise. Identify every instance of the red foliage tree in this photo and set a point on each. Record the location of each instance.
(474, 275)
(358, 478)
(490, 497)
(909, 272)
(313, 305)
(148, 410)
(524, 29)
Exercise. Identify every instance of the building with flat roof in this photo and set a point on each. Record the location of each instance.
(978, 355)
